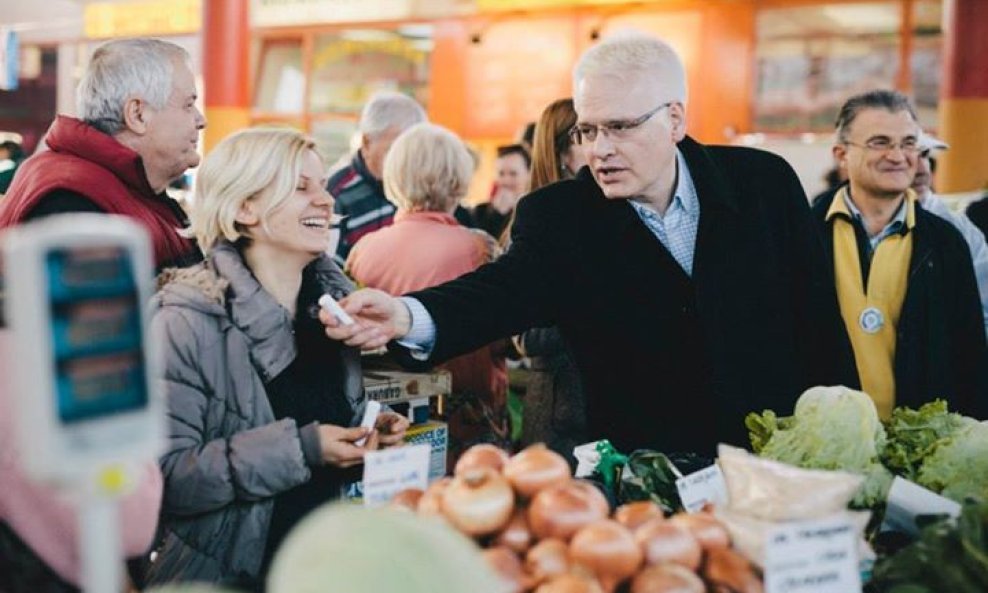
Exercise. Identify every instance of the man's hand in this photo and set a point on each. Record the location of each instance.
(378, 319)
(337, 444)
(391, 428)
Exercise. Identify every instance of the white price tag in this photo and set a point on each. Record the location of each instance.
(389, 471)
(908, 500)
(819, 556)
(702, 487)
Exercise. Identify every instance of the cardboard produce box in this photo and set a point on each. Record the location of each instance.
(391, 387)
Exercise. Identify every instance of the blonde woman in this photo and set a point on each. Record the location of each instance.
(262, 406)
(426, 173)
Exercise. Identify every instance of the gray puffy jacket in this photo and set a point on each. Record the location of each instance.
(223, 337)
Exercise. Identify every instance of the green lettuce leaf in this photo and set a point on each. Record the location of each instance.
(913, 435)
(958, 468)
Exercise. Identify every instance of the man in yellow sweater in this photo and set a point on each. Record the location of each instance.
(904, 277)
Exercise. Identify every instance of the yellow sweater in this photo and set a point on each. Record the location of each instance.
(872, 316)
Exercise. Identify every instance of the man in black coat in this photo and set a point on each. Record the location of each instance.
(689, 280)
(904, 277)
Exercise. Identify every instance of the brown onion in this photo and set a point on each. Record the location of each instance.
(707, 530)
(516, 535)
(407, 499)
(479, 502)
(726, 568)
(482, 455)
(667, 578)
(431, 502)
(609, 550)
(569, 583)
(507, 566)
(634, 514)
(535, 468)
(548, 558)
(560, 510)
(665, 541)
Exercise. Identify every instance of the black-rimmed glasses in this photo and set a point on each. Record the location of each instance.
(616, 130)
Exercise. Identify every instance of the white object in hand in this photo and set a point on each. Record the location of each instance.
(330, 305)
(371, 411)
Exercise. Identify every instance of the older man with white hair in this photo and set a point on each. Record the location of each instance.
(923, 186)
(688, 280)
(137, 131)
(357, 188)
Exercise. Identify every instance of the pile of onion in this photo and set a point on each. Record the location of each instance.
(546, 532)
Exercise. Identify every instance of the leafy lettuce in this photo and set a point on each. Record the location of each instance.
(958, 467)
(913, 435)
(832, 428)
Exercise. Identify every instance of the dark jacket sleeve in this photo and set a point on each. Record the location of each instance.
(61, 201)
(826, 351)
(499, 299)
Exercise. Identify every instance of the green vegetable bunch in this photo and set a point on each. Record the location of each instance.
(948, 556)
(838, 428)
(832, 428)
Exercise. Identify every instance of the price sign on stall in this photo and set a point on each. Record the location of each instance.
(702, 487)
(389, 471)
(819, 556)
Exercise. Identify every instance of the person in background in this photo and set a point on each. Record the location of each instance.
(357, 189)
(904, 278)
(555, 406)
(263, 408)
(138, 130)
(977, 213)
(512, 171)
(39, 541)
(923, 186)
(687, 279)
(11, 156)
(426, 174)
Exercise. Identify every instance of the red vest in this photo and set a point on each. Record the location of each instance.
(83, 160)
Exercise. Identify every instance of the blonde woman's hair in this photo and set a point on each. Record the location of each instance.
(257, 163)
(427, 169)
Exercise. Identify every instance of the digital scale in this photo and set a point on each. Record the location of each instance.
(77, 286)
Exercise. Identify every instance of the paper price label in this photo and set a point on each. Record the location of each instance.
(389, 471)
(702, 487)
(819, 556)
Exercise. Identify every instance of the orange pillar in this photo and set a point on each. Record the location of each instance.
(226, 78)
(964, 97)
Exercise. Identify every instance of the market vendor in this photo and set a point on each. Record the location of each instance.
(688, 279)
(904, 277)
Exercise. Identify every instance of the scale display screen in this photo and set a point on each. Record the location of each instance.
(96, 332)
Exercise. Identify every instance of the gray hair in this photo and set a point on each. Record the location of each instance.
(639, 53)
(891, 101)
(123, 69)
(428, 169)
(386, 110)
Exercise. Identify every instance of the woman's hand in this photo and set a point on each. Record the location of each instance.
(391, 427)
(338, 444)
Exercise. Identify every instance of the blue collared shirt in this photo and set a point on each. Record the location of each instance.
(676, 230)
(894, 226)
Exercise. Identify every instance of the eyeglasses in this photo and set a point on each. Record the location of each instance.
(617, 130)
(908, 146)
